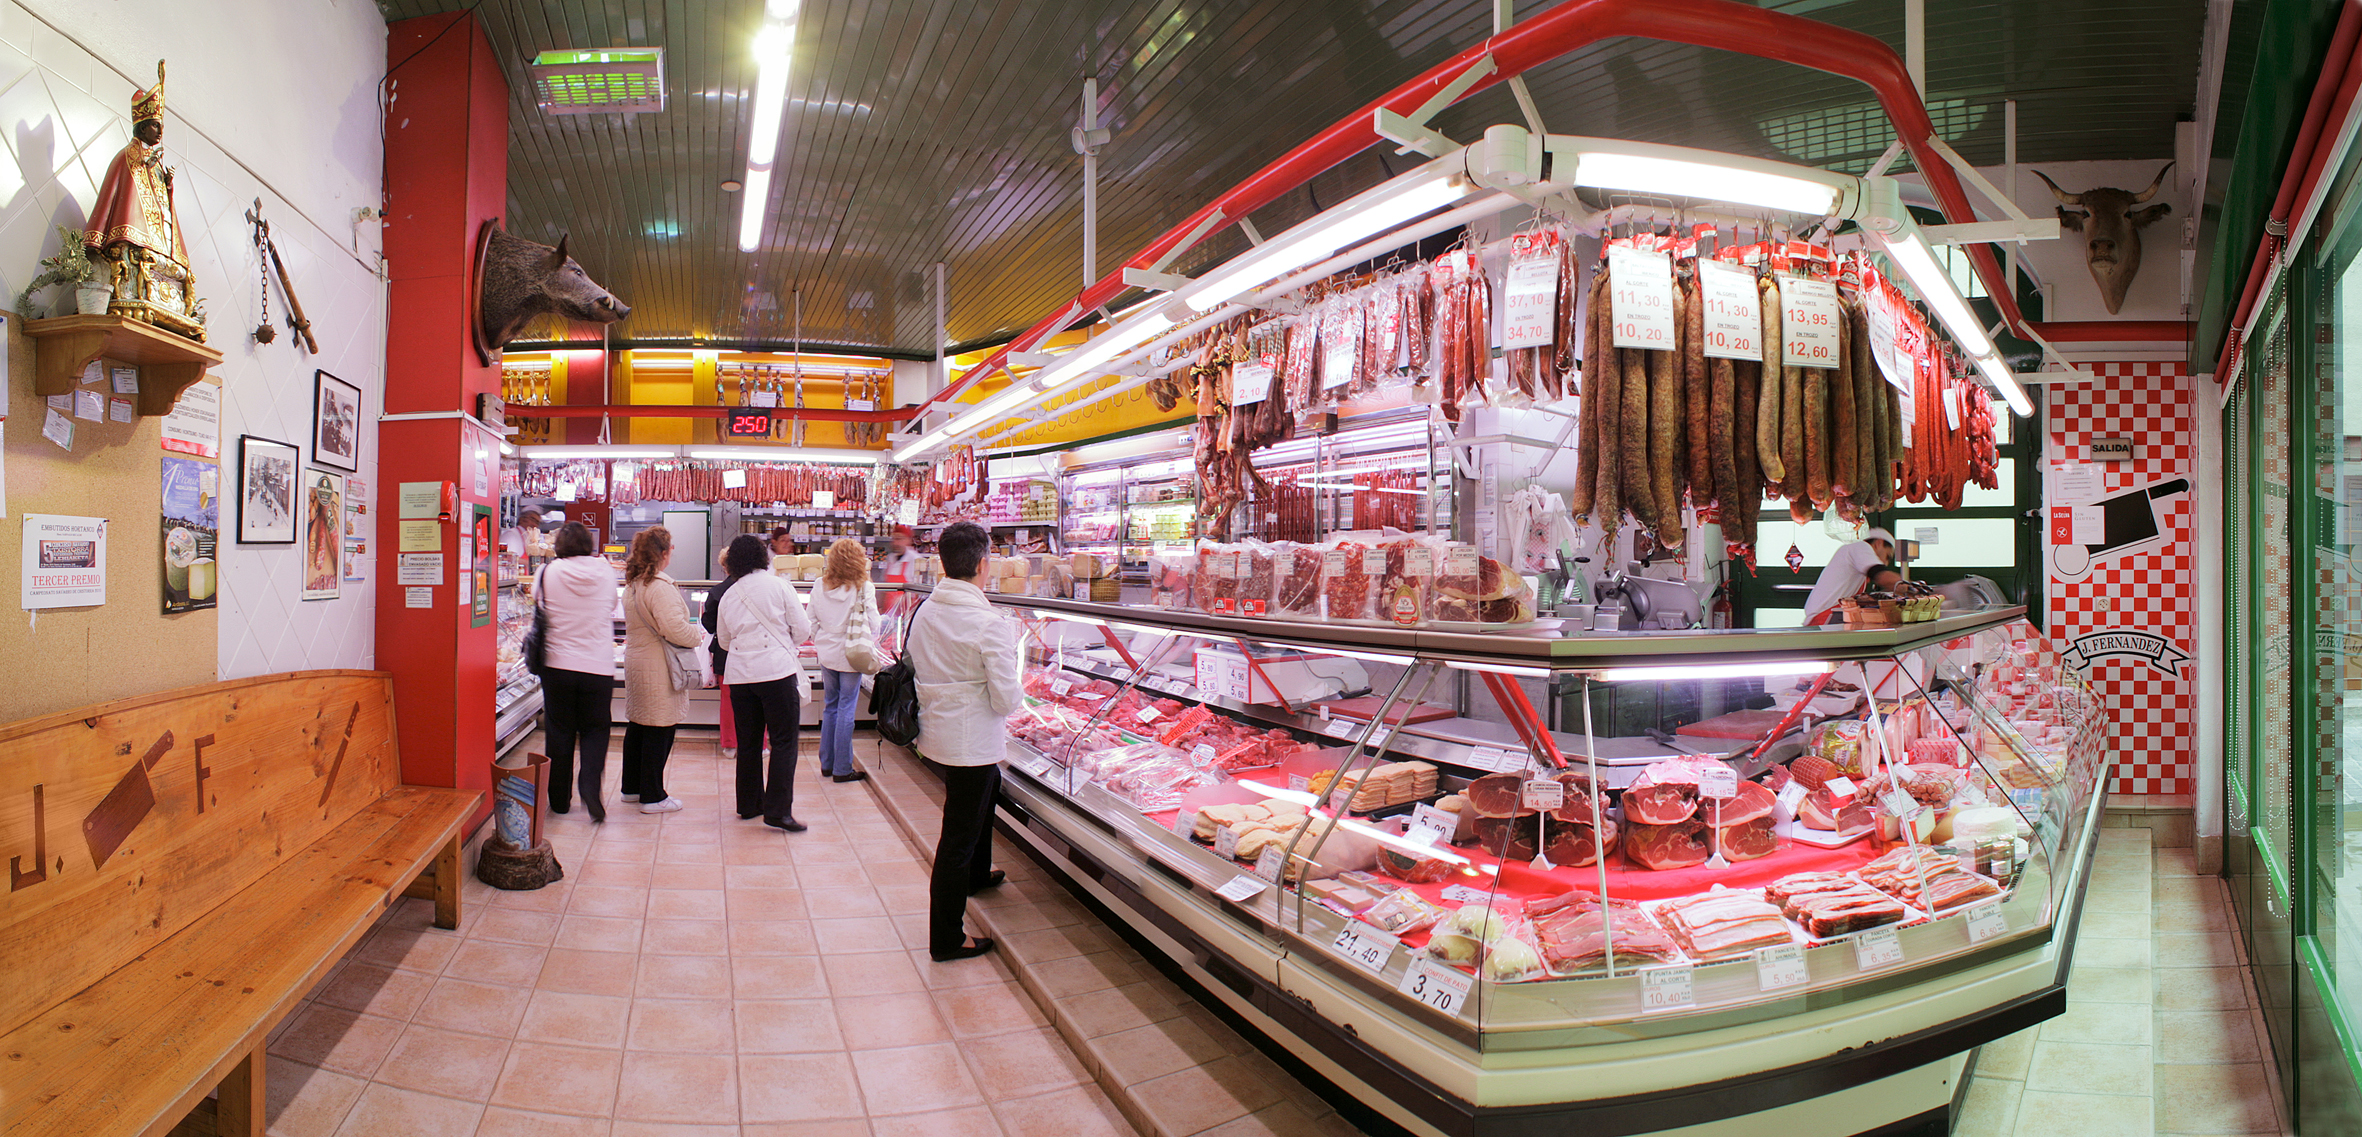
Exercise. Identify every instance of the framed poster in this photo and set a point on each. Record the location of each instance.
(192, 510)
(336, 422)
(323, 534)
(266, 491)
(478, 546)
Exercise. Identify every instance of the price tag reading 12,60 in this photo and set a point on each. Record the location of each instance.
(1434, 984)
(1666, 988)
(1640, 297)
(1809, 321)
(1364, 945)
(1782, 966)
(1877, 948)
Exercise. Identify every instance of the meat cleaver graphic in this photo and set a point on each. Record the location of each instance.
(128, 804)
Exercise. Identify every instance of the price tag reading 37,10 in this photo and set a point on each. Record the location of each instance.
(1640, 298)
(1436, 985)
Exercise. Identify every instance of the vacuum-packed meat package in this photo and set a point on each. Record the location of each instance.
(1722, 923)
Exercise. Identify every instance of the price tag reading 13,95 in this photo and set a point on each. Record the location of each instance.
(1364, 945)
(1640, 298)
(1436, 985)
(1733, 319)
(1809, 318)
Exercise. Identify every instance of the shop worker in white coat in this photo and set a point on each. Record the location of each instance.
(1847, 571)
(964, 655)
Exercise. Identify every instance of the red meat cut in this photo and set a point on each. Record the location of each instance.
(1749, 840)
(1667, 804)
(1677, 846)
(1753, 801)
(1574, 844)
(1510, 838)
(1497, 795)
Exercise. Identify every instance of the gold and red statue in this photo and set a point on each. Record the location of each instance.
(135, 229)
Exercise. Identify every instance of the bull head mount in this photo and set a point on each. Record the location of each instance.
(519, 280)
(2111, 230)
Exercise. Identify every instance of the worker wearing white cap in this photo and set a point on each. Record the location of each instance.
(1847, 571)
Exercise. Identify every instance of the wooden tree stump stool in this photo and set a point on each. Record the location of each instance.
(505, 866)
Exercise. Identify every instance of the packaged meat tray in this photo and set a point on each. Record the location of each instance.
(1574, 930)
(1723, 923)
(1928, 878)
(1827, 905)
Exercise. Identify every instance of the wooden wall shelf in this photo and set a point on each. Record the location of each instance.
(168, 363)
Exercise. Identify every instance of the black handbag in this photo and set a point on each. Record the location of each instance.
(535, 646)
(894, 693)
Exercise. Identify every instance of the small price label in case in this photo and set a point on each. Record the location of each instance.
(1435, 985)
(1185, 824)
(1147, 714)
(1242, 888)
(1719, 782)
(1337, 728)
(1810, 319)
(1202, 753)
(1462, 894)
(1544, 794)
(1365, 946)
(1226, 842)
(1876, 948)
(1782, 966)
(1667, 988)
(1062, 687)
(1986, 921)
(1437, 821)
(1734, 321)
(1791, 796)
(1299, 783)
(1268, 864)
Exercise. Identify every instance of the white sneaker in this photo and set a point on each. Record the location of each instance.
(668, 805)
(631, 797)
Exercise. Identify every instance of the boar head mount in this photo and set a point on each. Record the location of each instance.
(2111, 229)
(518, 280)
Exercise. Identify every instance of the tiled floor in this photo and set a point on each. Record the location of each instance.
(2161, 1031)
(694, 975)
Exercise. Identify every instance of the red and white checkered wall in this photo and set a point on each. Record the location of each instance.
(2147, 590)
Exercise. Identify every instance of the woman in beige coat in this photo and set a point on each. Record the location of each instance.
(654, 615)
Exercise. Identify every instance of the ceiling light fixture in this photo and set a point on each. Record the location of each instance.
(1638, 168)
(1365, 215)
(773, 47)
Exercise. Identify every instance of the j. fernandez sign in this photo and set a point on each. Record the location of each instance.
(2158, 652)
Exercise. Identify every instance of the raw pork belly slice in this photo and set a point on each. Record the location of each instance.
(1724, 922)
(1833, 904)
(1573, 930)
(1676, 846)
(1948, 885)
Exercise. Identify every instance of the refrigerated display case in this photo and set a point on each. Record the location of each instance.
(516, 699)
(1802, 871)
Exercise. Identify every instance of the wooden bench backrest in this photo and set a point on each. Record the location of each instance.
(121, 823)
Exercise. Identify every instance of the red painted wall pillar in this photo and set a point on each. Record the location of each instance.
(446, 173)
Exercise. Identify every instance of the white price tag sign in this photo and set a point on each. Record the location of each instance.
(1062, 687)
(1986, 921)
(1719, 782)
(1640, 298)
(1226, 842)
(1840, 788)
(1373, 562)
(1440, 820)
(1782, 966)
(1202, 753)
(1267, 865)
(1791, 796)
(1147, 714)
(1734, 311)
(1952, 408)
(1338, 728)
(1460, 560)
(1809, 321)
(1436, 985)
(1242, 887)
(1364, 945)
(1249, 383)
(1337, 358)
(1893, 365)
(1544, 794)
(1877, 948)
(1530, 306)
(1185, 824)
(1897, 803)
(1495, 759)
(1667, 988)
(1419, 561)
(827, 499)
(1299, 783)
(1423, 834)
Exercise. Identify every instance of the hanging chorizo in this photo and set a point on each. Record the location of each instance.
(1768, 406)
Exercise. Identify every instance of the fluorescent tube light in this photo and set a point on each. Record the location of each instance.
(787, 454)
(1497, 668)
(2006, 382)
(1716, 670)
(566, 452)
(1364, 656)
(1672, 177)
(753, 199)
(1934, 285)
(1300, 797)
(1118, 340)
(1363, 216)
(770, 103)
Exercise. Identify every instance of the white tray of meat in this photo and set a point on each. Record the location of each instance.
(1904, 871)
(1723, 923)
(1573, 931)
(1827, 907)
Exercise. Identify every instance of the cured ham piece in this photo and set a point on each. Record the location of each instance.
(1575, 844)
(1748, 840)
(1573, 933)
(1510, 838)
(1833, 904)
(1678, 846)
(1497, 795)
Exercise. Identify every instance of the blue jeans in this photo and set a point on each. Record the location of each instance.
(841, 692)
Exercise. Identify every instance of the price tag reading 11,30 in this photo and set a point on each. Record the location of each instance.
(1734, 321)
(1666, 988)
(1782, 966)
(1364, 945)
(1443, 988)
(1877, 948)
(1641, 298)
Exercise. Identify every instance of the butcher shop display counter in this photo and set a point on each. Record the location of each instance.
(1787, 877)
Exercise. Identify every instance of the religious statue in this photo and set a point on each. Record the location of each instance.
(135, 228)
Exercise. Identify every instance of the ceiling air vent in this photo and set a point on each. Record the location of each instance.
(623, 80)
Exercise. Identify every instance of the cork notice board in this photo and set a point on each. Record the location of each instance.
(73, 657)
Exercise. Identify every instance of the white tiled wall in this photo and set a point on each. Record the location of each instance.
(307, 124)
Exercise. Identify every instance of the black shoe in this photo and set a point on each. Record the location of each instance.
(855, 776)
(556, 808)
(971, 950)
(749, 816)
(598, 815)
(788, 823)
(993, 880)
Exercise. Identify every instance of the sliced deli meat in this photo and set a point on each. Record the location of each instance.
(1573, 931)
(1723, 922)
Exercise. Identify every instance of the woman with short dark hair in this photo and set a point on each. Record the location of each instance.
(655, 617)
(964, 654)
(576, 591)
(759, 622)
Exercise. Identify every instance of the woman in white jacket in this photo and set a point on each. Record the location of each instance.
(843, 599)
(761, 623)
(965, 657)
(577, 593)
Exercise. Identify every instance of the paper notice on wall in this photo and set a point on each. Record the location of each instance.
(1734, 311)
(90, 406)
(194, 426)
(65, 562)
(57, 428)
(2074, 483)
(421, 536)
(418, 499)
(418, 598)
(2087, 524)
(1640, 298)
(418, 568)
(121, 409)
(126, 380)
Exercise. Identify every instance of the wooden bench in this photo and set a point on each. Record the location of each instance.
(182, 869)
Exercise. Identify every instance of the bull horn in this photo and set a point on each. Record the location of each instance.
(2150, 192)
(2064, 197)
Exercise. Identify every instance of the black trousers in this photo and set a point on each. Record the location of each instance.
(774, 705)
(963, 852)
(577, 712)
(645, 750)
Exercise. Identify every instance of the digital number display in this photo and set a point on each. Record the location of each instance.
(748, 424)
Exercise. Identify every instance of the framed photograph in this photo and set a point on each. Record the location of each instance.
(266, 491)
(320, 498)
(336, 422)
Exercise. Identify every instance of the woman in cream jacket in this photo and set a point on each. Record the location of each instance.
(654, 615)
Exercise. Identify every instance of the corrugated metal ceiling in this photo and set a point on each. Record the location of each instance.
(926, 130)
